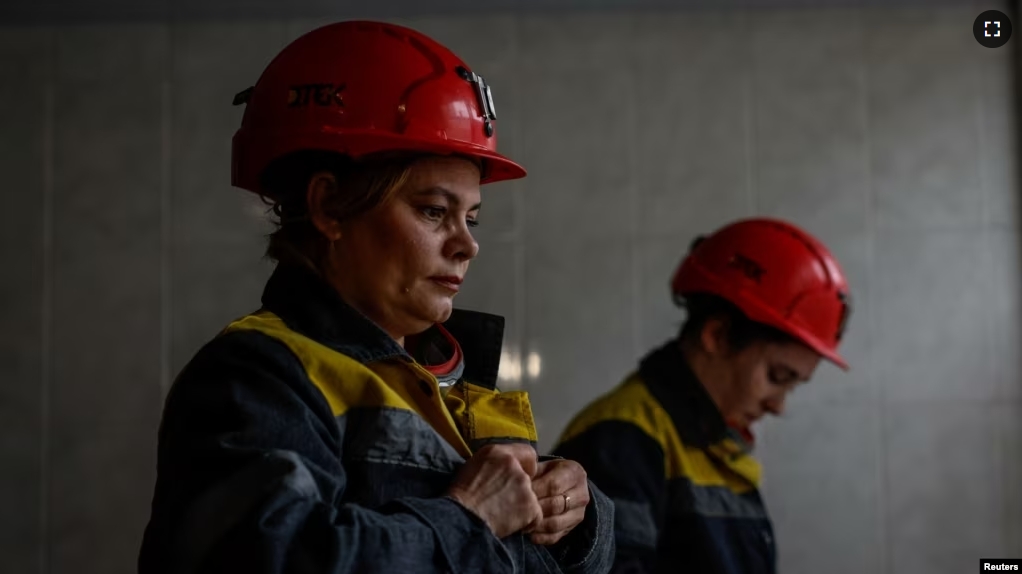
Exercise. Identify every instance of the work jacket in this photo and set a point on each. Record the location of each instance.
(685, 486)
(304, 439)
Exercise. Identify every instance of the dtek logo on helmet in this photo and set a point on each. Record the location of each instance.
(319, 94)
(752, 270)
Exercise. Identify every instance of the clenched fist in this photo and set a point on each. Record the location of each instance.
(496, 484)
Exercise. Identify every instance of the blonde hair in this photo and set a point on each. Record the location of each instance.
(361, 186)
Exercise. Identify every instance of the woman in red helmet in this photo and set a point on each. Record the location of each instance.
(671, 445)
(352, 423)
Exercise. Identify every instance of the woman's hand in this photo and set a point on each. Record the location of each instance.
(496, 484)
(563, 493)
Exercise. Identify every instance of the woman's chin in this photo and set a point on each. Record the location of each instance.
(437, 311)
(443, 315)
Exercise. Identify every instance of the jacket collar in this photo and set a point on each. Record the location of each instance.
(308, 305)
(675, 386)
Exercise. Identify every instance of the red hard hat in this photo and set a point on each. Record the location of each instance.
(776, 274)
(359, 88)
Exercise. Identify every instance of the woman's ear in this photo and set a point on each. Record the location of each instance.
(713, 336)
(321, 191)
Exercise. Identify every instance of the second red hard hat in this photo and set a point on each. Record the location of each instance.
(777, 274)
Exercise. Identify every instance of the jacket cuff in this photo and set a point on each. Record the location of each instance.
(467, 543)
(589, 547)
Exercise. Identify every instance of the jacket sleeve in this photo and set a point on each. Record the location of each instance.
(627, 465)
(249, 479)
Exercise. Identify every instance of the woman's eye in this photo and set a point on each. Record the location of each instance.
(434, 212)
(780, 378)
(472, 222)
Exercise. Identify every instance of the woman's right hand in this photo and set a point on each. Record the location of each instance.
(496, 484)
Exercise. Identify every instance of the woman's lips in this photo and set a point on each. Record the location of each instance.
(448, 282)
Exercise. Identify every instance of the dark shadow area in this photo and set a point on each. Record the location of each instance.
(26, 12)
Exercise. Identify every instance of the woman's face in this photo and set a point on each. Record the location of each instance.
(402, 263)
(754, 381)
(759, 378)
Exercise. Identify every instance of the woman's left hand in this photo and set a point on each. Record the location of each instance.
(563, 493)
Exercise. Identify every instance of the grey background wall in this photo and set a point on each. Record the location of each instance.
(890, 133)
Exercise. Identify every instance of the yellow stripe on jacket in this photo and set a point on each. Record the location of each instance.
(721, 464)
(467, 417)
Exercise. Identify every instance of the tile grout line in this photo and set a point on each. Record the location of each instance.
(520, 252)
(166, 221)
(749, 119)
(879, 393)
(46, 312)
(634, 206)
(992, 430)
